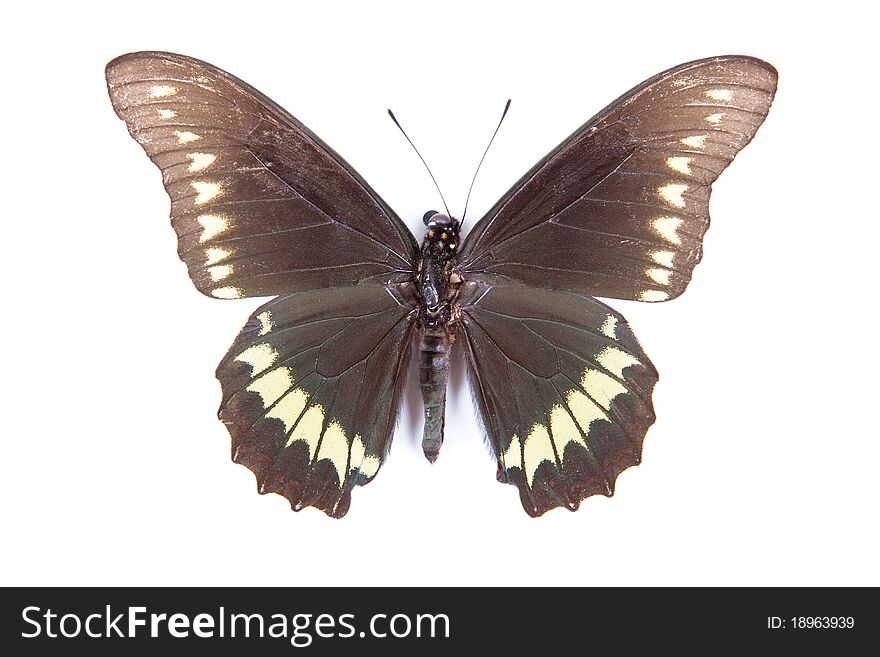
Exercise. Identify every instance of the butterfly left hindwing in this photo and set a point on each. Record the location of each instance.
(311, 389)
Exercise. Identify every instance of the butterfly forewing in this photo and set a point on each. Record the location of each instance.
(311, 390)
(563, 387)
(620, 208)
(260, 205)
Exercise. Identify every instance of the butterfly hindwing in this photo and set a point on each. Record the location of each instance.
(260, 205)
(619, 209)
(563, 388)
(311, 390)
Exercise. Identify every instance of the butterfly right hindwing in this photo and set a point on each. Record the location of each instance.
(563, 387)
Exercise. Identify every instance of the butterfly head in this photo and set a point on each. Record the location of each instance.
(442, 230)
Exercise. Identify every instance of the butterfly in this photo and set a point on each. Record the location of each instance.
(312, 384)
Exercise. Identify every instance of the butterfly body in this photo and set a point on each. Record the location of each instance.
(437, 283)
(312, 384)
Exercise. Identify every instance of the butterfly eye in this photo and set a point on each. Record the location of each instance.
(428, 216)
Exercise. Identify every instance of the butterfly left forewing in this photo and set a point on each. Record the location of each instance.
(311, 389)
(619, 209)
(563, 389)
(261, 206)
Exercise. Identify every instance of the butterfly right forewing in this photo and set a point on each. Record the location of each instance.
(619, 209)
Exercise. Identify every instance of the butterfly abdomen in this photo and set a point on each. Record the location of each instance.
(434, 350)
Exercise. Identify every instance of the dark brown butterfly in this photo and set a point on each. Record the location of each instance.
(311, 386)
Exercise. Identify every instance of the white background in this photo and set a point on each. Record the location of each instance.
(762, 467)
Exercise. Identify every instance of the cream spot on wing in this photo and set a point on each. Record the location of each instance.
(219, 272)
(653, 295)
(289, 408)
(695, 141)
(512, 457)
(265, 319)
(357, 453)
(370, 466)
(666, 227)
(658, 275)
(664, 258)
(584, 409)
(214, 254)
(564, 430)
(601, 387)
(715, 119)
(671, 193)
(200, 161)
(680, 164)
(334, 447)
(206, 191)
(609, 326)
(719, 94)
(212, 225)
(537, 448)
(272, 385)
(226, 293)
(166, 113)
(162, 91)
(185, 136)
(259, 356)
(308, 429)
(616, 360)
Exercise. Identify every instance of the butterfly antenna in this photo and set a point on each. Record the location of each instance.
(397, 123)
(467, 200)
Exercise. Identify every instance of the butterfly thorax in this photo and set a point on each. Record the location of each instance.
(437, 286)
(434, 277)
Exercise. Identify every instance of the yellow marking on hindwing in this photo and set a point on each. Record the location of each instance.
(694, 141)
(512, 457)
(672, 194)
(212, 225)
(616, 360)
(653, 295)
(715, 119)
(664, 258)
(601, 387)
(185, 136)
(609, 326)
(308, 429)
(200, 161)
(666, 227)
(658, 275)
(265, 319)
(205, 191)
(162, 91)
(564, 430)
(259, 356)
(289, 408)
(166, 113)
(719, 94)
(537, 448)
(272, 385)
(226, 293)
(219, 272)
(584, 410)
(357, 453)
(334, 447)
(680, 164)
(215, 254)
